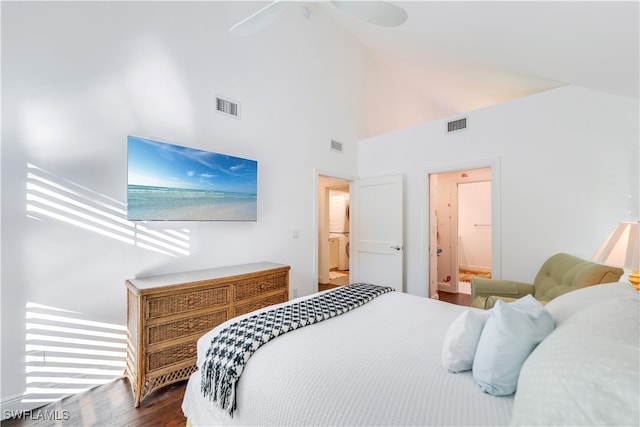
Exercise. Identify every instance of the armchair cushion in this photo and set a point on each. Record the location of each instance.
(563, 273)
(559, 274)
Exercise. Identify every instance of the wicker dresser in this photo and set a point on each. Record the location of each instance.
(167, 314)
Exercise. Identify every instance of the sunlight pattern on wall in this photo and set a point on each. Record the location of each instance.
(66, 353)
(51, 197)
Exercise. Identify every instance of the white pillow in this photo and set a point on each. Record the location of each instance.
(566, 305)
(512, 331)
(461, 340)
(587, 372)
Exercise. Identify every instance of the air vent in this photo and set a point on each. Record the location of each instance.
(456, 125)
(336, 146)
(227, 107)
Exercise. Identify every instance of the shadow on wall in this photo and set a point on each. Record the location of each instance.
(51, 197)
(65, 351)
(66, 354)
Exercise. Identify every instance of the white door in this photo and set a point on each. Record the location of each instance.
(433, 238)
(377, 231)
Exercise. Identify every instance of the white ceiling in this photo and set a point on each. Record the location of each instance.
(465, 55)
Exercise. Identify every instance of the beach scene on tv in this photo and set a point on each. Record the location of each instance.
(175, 183)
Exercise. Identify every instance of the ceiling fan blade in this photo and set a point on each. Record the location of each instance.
(380, 13)
(259, 20)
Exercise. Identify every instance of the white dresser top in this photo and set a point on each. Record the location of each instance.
(200, 275)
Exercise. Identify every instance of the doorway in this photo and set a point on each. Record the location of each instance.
(334, 224)
(474, 232)
(460, 224)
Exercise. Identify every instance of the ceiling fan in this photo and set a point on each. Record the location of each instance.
(379, 13)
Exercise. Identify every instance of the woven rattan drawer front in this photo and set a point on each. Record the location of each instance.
(255, 305)
(167, 314)
(177, 354)
(181, 302)
(184, 327)
(252, 287)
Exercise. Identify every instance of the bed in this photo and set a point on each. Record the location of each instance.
(382, 364)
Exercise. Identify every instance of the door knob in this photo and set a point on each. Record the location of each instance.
(397, 248)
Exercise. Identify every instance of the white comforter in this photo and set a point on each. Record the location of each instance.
(379, 364)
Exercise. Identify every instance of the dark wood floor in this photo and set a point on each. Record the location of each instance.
(458, 299)
(111, 404)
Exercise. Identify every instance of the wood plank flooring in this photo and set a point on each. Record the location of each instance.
(459, 299)
(111, 404)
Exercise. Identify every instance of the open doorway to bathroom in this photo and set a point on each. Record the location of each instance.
(461, 227)
(333, 232)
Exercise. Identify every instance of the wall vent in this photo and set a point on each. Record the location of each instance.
(456, 125)
(228, 107)
(336, 146)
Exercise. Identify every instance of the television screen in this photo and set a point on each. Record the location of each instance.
(174, 183)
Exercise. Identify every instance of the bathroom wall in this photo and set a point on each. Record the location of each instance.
(454, 224)
(474, 226)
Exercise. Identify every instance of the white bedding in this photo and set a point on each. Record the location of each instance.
(587, 371)
(379, 364)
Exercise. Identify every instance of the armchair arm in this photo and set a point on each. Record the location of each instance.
(482, 287)
(488, 302)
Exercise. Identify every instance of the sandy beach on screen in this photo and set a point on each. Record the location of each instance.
(241, 211)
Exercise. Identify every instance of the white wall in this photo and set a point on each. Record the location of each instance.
(568, 174)
(78, 77)
(474, 225)
(406, 107)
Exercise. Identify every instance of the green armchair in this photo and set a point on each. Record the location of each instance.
(558, 275)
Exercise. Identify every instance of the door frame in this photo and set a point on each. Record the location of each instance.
(494, 163)
(315, 239)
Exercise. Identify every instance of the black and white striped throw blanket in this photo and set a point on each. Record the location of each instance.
(232, 347)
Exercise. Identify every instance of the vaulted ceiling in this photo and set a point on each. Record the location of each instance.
(470, 54)
(464, 55)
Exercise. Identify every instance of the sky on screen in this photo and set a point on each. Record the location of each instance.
(159, 164)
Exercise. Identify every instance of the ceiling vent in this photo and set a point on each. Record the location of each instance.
(228, 107)
(336, 146)
(457, 125)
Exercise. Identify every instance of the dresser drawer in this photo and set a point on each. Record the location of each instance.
(180, 353)
(181, 302)
(167, 314)
(252, 287)
(257, 304)
(193, 325)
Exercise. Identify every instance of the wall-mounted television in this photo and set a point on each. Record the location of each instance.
(168, 182)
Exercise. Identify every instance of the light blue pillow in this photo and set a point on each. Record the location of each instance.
(511, 333)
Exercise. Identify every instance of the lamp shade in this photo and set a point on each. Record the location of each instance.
(622, 247)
